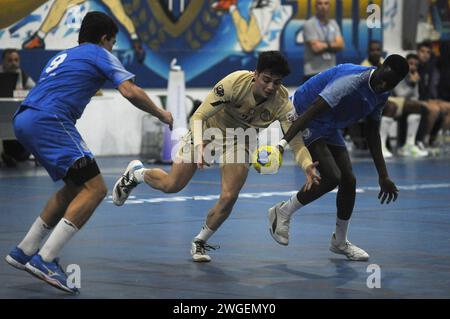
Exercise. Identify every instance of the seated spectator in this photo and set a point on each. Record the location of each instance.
(428, 91)
(13, 151)
(413, 112)
(11, 64)
(374, 54)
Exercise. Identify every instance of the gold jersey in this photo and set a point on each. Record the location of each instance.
(231, 104)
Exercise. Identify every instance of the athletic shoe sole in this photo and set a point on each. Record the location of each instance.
(202, 259)
(40, 275)
(272, 221)
(338, 251)
(14, 263)
(129, 167)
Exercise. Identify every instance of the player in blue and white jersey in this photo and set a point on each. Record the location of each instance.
(325, 104)
(45, 125)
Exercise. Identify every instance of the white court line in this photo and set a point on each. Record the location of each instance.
(134, 200)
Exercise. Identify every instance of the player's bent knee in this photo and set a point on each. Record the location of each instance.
(100, 193)
(97, 195)
(228, 198)
(332, 180)
(97, 188)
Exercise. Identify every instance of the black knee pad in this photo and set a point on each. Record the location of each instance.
(82, 171)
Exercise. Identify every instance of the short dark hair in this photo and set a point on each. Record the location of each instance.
(95, 25)
(412, 56)
(374, 42)
(426, 43)
(9, 51)
(398, 64)
(274, 62)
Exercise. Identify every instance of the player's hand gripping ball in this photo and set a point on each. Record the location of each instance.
(267, 159)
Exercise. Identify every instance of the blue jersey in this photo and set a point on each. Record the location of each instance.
(72, 77)
(347, 91)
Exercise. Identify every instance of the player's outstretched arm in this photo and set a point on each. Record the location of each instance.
(388, 190)
(142, 101)
(301, 155)
(318, 106)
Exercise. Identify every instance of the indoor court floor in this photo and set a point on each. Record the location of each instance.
(141, 250)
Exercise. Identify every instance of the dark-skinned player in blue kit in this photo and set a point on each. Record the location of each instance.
(325, 104)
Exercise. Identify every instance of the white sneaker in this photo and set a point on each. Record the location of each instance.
(278, 225)
(351, 251)
(412, 151)
(126, 183)
(198, 251)
(422, 147)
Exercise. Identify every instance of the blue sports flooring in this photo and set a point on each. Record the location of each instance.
(141, 250)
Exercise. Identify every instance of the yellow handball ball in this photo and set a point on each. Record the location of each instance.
(267, 159)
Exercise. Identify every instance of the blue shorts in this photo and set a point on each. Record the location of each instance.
(318, 130)
(52, 139)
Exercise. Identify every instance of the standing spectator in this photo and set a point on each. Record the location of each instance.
(413, 111)
(323, 40)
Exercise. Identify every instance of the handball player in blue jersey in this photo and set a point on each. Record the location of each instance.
(325, 104)
(45, 125)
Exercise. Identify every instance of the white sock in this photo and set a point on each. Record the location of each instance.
(139, 175)
(341, 230)
(290, 207)
(62, 233)
(385, 126)
(33, 238)
(411, 131)
(204, 234)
